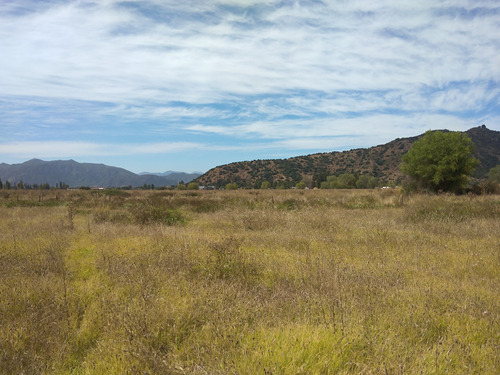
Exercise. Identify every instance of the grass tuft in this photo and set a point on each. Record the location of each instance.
(249, 282)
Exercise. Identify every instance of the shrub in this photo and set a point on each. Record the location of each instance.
(494, 174)
(301, 185)
(116, 192)
(228, 261)
(288, 204)
(149, 214)
(485, 187)
(442, 210)
(362, 201)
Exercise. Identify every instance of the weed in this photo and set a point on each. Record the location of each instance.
(288, 204)
(149, 214)
(267, 282)
(362, 201)
(452, 210)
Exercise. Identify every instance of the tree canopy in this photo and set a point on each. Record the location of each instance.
(440, 161)
(494, 174)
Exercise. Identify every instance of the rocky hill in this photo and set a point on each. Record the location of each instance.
(381, 161)
(76, 174)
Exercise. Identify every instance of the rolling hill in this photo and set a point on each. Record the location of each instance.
(380, 161)
(76, 174)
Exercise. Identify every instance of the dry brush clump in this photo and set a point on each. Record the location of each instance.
(250, 282)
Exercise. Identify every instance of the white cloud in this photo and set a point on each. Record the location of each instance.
(287, 73)
(463, 98)
(74, 51)
(370, 130)
(49, 149)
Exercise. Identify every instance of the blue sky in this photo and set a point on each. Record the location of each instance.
(188, 85)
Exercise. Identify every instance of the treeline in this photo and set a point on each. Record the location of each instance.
(319, 181)
(349, 181)
(7, 185)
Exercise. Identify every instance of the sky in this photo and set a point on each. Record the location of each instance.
(188, 85)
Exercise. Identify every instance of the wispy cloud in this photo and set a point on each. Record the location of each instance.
(248, 71)
(196, 52)
(383, 128)
(52, 149)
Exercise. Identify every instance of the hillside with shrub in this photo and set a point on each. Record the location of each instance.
(381, 162)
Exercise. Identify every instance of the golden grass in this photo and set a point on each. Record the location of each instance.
(249, 282)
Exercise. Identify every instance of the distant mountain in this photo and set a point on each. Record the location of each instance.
(380, 161)
(181, 176)
(76, 174)
(161, 174)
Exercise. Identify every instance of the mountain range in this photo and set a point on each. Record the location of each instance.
(380, 161)
(74, 174)
(172, 173)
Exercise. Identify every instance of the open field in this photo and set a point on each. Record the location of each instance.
(248, 282)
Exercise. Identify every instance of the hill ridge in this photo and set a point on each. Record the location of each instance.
(381, 161)
(75, 174)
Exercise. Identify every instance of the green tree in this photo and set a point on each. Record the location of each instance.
(332, 182)
(265, 185)
(372, 182)
(232, 186)
(325, 185)
(193, 186)
(300, 185)
(362, 182)
(318, 178)
(366, 182)
(440, 161)
(7, 185)
(494, 174)
(346, 181)
(181, 186)
(1, 184)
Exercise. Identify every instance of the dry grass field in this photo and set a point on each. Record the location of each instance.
(248, 282)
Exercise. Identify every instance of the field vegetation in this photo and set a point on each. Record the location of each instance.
(249, 282)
